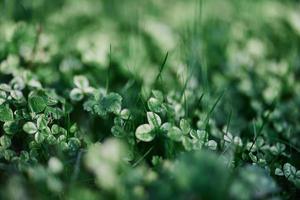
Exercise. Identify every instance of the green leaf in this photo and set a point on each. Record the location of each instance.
(61, 138)
(175, 134)
(73, 143)
(5, 87)
(46, 131)
(5, 141)
(55, 129)
(238, 141)
(118, 131)
(63, 131)
(212, 144)
(64, 146)
(52, 99)
(39, 137)
(166, 126)
(73, 128)
(2, 101)
(158, 95)
(36, 103)
(253, 157)
(144, 133)
(17, 95)
(289, 171)
(187, 143)
(185, 126)
(24, 156)
(3, 94)
(17, 83)
(153, 119)
(90, 105)
(228, 137)
(6, 114)
(280, 147)
(8, 154)
(154, 105)
(76, 94)
(278, 172)
(259, 142)
(81, 82)
(30, 128)
(51, 139)
(201, 135)
(55, 112)
(111, 103)
(125, 114)
(11, 127)
(41, 122)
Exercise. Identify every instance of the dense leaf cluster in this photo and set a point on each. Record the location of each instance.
(149, 99)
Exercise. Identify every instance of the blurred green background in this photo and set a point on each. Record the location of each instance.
(248, 50)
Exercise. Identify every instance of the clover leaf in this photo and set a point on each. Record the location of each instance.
(37, 103)
(158, 95)
(110, 103)
(277, 149)
(73, 143)
(166, 126)
(153, 119)
(30, 128)
(145, 133)
(125, 114)
(41, 122)
(154, 105)
(39, 137)
(211, 144)
(236, 140)
(289, 171)
(81, 82)
(10, 127)
(6, 114)
(279, 172)
(82, 88)
(76, 94)
(17, 95)
(175, 134)
(5, 141)
(185, 126)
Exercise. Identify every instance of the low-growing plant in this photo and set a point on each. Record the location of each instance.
(149, 99)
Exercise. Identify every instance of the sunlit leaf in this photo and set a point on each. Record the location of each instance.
(30, 127)
(145, 133)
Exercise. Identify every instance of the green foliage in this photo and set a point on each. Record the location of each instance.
(145, 133)
(149, 99)
(6, 113)
(102, 104)
(36, 103)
